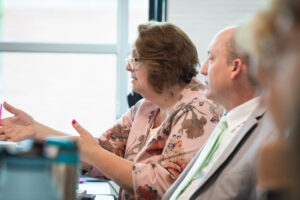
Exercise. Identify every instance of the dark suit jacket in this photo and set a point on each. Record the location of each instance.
(233, 174)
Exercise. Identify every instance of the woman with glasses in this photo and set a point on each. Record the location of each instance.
(148, 148)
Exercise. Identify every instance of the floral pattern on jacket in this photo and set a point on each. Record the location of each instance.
(159, 160)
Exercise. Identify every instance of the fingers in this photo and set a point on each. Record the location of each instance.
(7, 120)
(75, 138)
(6, 137)
(79, 128)
(11, 109)
(7, 134)
(2, 137)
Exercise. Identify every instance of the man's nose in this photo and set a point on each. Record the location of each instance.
(204, 68)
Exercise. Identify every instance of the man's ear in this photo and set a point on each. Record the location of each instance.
(236, 68)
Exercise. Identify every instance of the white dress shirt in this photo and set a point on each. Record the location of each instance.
(235, 119)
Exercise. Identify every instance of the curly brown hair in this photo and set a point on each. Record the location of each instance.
(169, 55)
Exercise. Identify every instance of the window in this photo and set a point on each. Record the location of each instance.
(60, 20)
(64, 59)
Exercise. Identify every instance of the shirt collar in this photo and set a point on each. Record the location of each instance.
(239, 114)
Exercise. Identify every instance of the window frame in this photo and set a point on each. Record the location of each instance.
(121, 49)
(157, 11)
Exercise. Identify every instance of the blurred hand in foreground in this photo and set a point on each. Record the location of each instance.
(18, 127)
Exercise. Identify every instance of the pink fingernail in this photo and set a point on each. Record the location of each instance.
(73, 121)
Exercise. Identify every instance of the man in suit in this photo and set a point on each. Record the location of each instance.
(224, 168)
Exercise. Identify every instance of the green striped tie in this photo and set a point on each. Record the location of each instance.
(203, 159)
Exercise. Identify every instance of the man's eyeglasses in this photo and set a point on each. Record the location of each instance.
(130, 61)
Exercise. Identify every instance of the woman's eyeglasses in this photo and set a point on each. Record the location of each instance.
(130, 61)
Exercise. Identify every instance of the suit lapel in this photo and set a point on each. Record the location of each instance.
(246, 129)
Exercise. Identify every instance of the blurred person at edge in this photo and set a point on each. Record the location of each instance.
(272, 38)
(148, 148)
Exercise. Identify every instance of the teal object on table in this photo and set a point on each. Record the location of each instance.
(39, 170)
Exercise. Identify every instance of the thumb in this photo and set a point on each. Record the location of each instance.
(10, 108)
(79, 128)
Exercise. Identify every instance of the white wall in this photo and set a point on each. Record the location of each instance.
(202, 19)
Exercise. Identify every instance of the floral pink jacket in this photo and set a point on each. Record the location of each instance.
(161, 159)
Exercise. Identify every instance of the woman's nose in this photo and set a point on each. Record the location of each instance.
(128, 67)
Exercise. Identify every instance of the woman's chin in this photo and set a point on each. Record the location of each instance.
(136, 90)
(140, 91)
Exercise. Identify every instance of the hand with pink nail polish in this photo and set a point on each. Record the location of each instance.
(87, 143)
